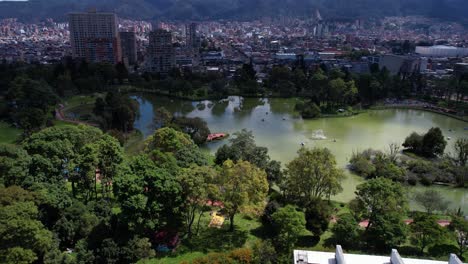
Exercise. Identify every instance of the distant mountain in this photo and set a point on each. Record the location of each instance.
(237, 9)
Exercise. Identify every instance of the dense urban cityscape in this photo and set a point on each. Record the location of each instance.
(288, 139)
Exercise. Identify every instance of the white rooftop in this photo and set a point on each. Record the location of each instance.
(317, 257)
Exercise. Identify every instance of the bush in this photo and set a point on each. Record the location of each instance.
(236, 256)
(362, 166)
(426, 179)
(412, 179)
(442, 250)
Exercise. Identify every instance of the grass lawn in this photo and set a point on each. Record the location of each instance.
(247, 231)
(81, 106)
(60, 123)
(8, 134)
(134, 143)
(213, 240)
(79, 100)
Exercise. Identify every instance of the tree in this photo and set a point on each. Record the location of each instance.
(425, 231)
(346, 231)
(317, 214)
(23, 237)
(274, 172)
(137, 249)
(17, 255)
(197, 187)
(109, 156)
(461, 151)
(413, 142)
(243, 147)
(108, 252)
(195, 127)
(14, 165)
(337, 88)
(117, 111)
(241, 184)
(54, 151)
(168, 140)
(387, 231)
(289, 224)
(431, 200)
(383, 203)
(31, 119)
(189, 155)
(433, 142)
(312, 175)
(150, 197)
(162, 117)
(263, 252)
(430, 144)
(460, 227)
(31, 102)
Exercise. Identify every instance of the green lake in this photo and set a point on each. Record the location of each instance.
(276, 126)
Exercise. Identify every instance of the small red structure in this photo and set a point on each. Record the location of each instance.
(217, 136)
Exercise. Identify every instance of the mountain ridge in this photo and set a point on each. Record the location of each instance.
(454, 10)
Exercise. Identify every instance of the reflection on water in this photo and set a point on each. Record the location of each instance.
(276, 126)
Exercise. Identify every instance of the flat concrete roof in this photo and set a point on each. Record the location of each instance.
(317, 257)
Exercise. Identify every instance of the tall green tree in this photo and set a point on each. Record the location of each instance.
(313, 174)
(346, 231)
(197, 188)
(317, 214)
(461, 151)
(23, 237)
(242, 147)
(167, 140)
(425, 231)
(149, 196)
(14, 165)
(31, 102)
(241, 184)
(289, 224)
(383, 203)
(431, 200)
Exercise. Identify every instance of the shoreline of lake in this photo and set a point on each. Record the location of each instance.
(276, 127)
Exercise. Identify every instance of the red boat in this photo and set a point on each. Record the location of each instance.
(217, 136)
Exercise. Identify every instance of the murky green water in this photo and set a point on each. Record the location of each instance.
(275, 126)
